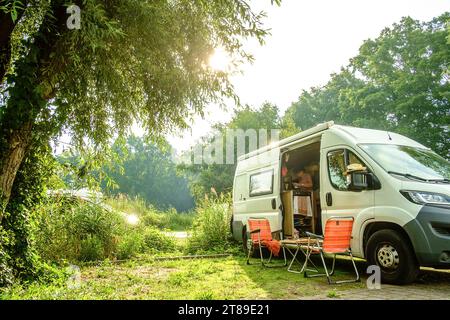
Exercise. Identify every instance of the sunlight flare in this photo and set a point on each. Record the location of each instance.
(220, 60)
(132, 219)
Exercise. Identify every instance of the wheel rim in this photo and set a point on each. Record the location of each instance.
(387, 257)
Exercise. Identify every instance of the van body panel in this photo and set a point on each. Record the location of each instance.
(246, 205)
(430, 236)
(360, 135)
(303, 135)
(359, 205)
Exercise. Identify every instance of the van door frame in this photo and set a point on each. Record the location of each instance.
(316, 138)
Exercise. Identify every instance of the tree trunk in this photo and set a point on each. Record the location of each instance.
(19, 140)
(18, 143)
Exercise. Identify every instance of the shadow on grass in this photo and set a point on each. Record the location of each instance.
(279, 283)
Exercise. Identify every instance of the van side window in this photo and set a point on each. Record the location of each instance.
(261, 183)
(338, 160)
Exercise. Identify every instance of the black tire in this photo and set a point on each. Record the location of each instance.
(389, 250)
(231, 227)
(244, 241)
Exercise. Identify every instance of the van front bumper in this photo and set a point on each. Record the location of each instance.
(430, 236)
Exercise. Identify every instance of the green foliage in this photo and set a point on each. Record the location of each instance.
(211, 228)
(219, 177)
(12, 7)
(132, 60)
(74, 230)
(398, 82)
(145, 239)
(150, 216)
(157, 241)
(147, 171)
(448, 28)
(18, 255)
(130, 245)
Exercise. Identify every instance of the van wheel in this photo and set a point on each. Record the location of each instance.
(245, 244)
(389, 250)
(245, 241)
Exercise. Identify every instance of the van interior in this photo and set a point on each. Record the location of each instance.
(300, 190)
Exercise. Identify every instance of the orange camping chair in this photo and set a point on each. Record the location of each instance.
(338, 234)
(261, 236)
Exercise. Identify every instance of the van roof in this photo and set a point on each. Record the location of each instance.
(358, 135)
(361, 135)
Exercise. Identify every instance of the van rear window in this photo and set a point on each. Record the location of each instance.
(261, 183)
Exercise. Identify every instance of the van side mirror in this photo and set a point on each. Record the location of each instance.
(363, 181)
(358, 181)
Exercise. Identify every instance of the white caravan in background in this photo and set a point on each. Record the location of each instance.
(397, 190)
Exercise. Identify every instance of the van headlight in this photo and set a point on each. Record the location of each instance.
(422, 197)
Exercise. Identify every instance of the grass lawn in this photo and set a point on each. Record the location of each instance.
(222, 278)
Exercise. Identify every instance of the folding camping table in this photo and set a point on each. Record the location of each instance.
(298, 245)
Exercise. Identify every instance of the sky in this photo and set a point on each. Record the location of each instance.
(310, 39)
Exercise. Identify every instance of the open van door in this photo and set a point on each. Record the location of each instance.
(339, 196)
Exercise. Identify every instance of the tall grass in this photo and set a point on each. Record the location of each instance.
(169, 219)
(211, 226)
(74, 230)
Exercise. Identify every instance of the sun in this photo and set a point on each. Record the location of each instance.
(220, 60)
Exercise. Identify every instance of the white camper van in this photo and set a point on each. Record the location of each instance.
(397, 190)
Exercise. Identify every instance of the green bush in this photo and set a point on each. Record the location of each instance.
(130, 244)
(74, 230)
(91, 249)
(211, 226)
(178, 221)
(150, 216)
(155, 240)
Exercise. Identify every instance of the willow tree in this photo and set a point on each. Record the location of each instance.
(129, 60)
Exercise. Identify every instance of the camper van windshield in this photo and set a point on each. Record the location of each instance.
(409, 161)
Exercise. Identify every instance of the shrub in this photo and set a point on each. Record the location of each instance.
(131, 243)
(178, 221)
(150, 216)
(91, 249)
(155, 240)
(211, 225)
(73, 230)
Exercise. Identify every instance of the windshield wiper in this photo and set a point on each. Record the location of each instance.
(409, 176)
(444, 180)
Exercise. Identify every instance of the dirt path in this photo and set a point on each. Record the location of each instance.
(178, 234)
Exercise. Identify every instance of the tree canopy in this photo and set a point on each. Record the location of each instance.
(148, 171)
(131, 60)
(398, 82)
(218, 176)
